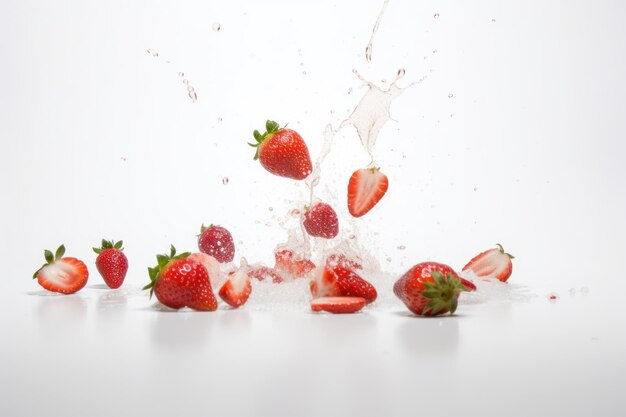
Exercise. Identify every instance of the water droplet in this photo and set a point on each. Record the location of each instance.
(436, 16)
(295, 212)
(225, 180)
(219, 120)
(553, 297)
(493, 20)
(186, 81)
(572, 292)
(425, 56)
(475, 188)
(153, 52)
(401, 73)
(123, 158)
(401, 247)
(216, 27)
(450, 95)
(270, 208)
(192, 94)
(352, 237)
(181, 74)
(350, 90)
(332, 112)
(584, 291)
(388, 259)
(303, 72)
(451, 114)
(302, 64)
(434, 51)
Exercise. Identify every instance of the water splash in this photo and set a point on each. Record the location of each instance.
(368, 48)
(216, 27)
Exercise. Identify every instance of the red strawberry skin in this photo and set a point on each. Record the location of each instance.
(365, 189)
(185, 283)
(217, 242)
(292, 264)
(339, 281)
(264, 273)
(321, 221)
(112, 265)
(338, 305)
(411, 286)
(492, 263)
(283, 152)
(66, 275)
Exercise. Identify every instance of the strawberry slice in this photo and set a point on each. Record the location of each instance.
(467, 284)
(62, 275)
(340, 281)
(292, 264)
(338, 305)
(492, 263)
(237, 288)
(265, 273)
(365, 189)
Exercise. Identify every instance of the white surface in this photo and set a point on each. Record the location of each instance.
(101, 140)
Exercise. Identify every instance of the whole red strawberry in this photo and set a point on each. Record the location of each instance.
(429, 289)
(282, 152)
(321, 221)
(111, 263)
(217, 242)
(62, 275)
(180, 282)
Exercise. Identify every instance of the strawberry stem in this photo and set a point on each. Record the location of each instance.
(162, 261)
(271, 127)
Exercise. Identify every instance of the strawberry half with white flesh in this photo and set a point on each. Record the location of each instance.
(237, 288)
(62, 275)
(338, 305)
(365, 189)
(339, 281)
(492, 263)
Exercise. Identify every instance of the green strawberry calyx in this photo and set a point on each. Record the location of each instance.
(51, 258)
(501, 249)
(109, 244)
(162, 261)
(271, 127)
(442, 294)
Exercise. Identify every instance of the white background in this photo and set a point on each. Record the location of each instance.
(99, 139)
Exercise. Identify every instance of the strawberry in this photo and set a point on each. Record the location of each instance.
(217, 242)
(340, 281)
(292, 264)
(366, 187)
(282, 152)
(429, 289)
(492, 263)
(180, 282)
(338, 305)
(111, 263)
(264, 273)
(467, 284)
(63, 275)
(237, 288)
(209, 263)
(321, 221)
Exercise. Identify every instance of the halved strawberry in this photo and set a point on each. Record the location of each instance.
(265, 273)
(492, 263)
(292, 264)
(338, 305)
(237, 288)
(62, 275)
(339, 281)
(209, 263)
(365, 189)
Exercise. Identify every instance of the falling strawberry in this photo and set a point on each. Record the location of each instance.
(338, 305)
(111, 263)
(340, 281)
(365, 189)
(180, 282)
(321, 221)
(429, 289)
(282, 152)
(264, 273)
(292, 264)
(492, 263)
(237, 288)
(217, 242)
(62, 275)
